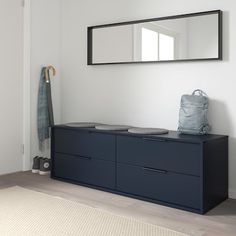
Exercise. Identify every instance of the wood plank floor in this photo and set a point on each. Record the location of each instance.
(221, 221)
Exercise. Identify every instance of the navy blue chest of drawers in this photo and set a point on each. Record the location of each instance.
(182, 171)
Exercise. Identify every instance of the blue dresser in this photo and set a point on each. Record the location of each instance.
(182, 171)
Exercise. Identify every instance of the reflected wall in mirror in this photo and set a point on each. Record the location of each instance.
(195, 36)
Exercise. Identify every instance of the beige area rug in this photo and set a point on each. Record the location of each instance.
(26, 212)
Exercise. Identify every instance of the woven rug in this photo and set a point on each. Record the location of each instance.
(26, 212)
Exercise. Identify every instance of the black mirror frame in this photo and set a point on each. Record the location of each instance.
(220, 38)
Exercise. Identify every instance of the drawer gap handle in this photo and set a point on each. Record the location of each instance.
(154, 170)
(155, 139)
(84, 157)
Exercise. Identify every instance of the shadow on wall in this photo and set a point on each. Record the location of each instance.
(219, 118)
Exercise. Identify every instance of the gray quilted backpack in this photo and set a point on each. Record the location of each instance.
(193, 113)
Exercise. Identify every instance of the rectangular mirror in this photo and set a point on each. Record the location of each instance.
(189, 37)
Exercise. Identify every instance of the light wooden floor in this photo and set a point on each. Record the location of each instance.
(220, 221)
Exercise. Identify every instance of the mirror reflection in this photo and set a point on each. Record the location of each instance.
(195, 37)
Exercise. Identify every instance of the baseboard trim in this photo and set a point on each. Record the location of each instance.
(232, 193)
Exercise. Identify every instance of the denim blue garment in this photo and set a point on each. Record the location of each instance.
(42, 110)
(193, 114)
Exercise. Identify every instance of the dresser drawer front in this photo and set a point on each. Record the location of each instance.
(85, 144)
(89, 171)
(161, 154)
(156, 184)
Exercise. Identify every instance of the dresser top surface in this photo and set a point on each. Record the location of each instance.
(171, 135)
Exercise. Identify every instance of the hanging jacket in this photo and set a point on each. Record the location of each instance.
(44, 109)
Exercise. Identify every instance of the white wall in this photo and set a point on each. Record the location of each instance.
(45, 50)
(149, 94)
(11, 41)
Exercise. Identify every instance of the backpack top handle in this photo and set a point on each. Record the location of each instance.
(200, 93)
